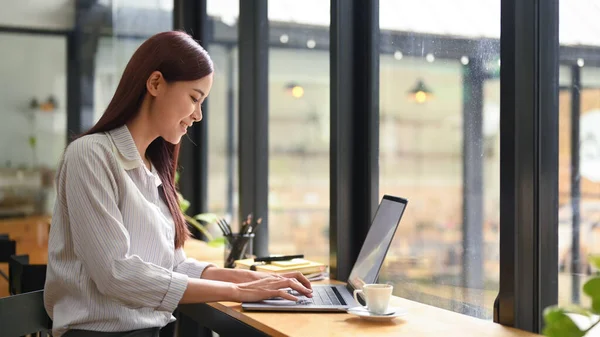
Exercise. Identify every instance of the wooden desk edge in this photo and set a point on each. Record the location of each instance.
(235, 311)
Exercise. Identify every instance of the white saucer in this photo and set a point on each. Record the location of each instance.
(363, 313)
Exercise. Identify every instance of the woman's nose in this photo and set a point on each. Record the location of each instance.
(197, 115)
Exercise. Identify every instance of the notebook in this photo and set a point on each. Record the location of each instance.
(278, 267)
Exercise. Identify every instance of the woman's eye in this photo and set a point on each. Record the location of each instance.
(194, 99)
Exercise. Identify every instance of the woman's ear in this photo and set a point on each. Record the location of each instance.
(155, 83)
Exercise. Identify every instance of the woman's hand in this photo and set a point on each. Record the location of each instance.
(293, 275)
(244, 276)
(269, 287)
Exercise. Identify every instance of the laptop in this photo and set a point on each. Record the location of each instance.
(365, 270)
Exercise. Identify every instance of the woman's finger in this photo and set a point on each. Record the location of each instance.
(284, 294)
(300, 277)
(295, 285)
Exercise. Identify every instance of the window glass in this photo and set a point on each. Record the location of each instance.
(299, 128)
(222, 112)
(439, 148)
(579, 179)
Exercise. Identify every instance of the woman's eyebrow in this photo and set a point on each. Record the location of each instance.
(200, 91)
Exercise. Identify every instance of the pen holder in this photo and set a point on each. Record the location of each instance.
(238, 246)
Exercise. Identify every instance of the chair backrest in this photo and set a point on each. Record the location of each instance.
(7, 248)
(23, 314)
(25, 277)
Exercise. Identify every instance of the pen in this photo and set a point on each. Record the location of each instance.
(278, 258)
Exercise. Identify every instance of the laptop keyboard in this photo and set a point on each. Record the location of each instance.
(321, 296)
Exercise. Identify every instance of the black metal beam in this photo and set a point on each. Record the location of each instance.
(472, 230)
(73, 88)
(575, 181)
(254, 117)
(547, 156)
(230, 130)
(354, 140)
(190, 16)
(82, 44)
(528, 162)
(409, 43)
(33, 31)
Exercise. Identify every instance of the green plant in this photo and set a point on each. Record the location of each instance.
(558, 320)
(208, 218)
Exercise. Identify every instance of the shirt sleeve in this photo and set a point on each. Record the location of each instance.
(188, 266)
(100, 239)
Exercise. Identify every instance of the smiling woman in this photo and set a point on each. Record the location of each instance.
(115, 257)
(156, 107)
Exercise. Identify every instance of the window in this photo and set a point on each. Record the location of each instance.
(131, 23)
(34, 104)
(439, 148)
(299, 128)
(33, 100)
(222, 112)
(34, 118)
(579, 149)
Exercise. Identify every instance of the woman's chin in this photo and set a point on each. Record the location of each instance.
(175, 139)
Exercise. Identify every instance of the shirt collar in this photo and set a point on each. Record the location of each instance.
(128, 154)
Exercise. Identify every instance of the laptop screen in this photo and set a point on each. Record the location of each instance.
(378, 240)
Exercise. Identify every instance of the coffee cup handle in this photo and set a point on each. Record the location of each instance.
(356, 292)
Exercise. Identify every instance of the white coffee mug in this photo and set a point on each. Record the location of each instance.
(377, 297)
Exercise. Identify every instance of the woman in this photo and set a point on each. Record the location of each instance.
(116, 265)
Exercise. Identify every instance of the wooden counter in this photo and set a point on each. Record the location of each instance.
(422, 320)
(31, 236)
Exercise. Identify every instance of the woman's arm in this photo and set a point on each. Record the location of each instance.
(196, 269)
(243, 276)
(189, 266)
(231, 275)
(200, 290)
(237, 285)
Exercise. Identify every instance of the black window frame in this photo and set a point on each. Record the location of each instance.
(528, 162)
(529, 144)
(529, 138)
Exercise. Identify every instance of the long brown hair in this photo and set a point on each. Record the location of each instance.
(179, 58)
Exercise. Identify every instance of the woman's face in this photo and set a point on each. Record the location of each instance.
(176, 105)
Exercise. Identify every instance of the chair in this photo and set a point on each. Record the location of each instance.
(24, 314)
(8, 247)
(25, 277)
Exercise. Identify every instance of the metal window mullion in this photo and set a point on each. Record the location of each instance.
(190, 16)
(354, 140)
(528, 162)
(254, 117)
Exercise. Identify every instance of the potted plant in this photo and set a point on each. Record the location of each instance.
(559, 319)
(195, 221)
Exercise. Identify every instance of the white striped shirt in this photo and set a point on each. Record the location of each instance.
(112, 263)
